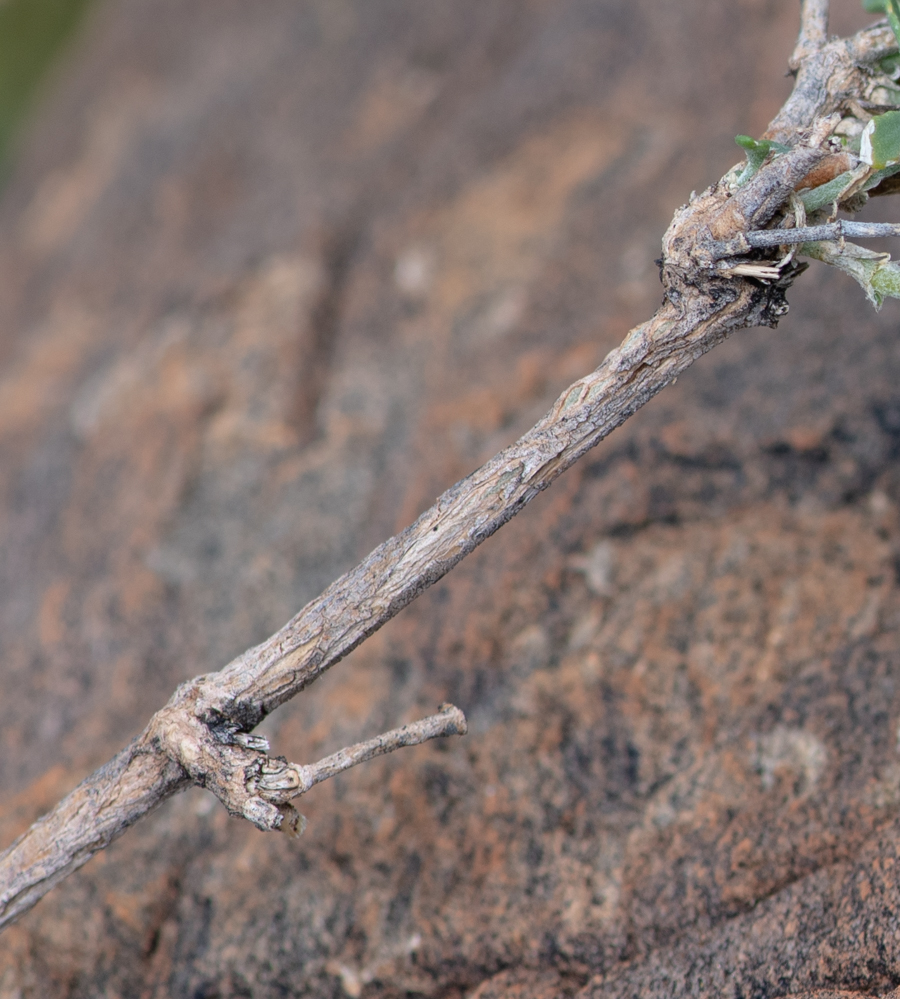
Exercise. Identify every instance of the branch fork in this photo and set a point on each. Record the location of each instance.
(258, 787)
(731, 230)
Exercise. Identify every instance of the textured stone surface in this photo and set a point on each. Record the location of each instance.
(271, 277)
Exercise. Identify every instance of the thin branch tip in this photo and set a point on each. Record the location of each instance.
(456, 720)
(449, 720)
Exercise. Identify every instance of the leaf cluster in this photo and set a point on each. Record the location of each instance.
(872, 142)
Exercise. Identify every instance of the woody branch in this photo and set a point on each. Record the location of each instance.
(204, 734)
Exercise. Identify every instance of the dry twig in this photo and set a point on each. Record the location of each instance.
(202, 736)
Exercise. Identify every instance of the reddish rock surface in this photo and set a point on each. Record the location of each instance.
(271, 277)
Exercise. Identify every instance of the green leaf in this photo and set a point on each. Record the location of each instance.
(826, 194)
(756, 150)
(892, 9)
(890, 66)
(832, 192)
(879, 176)
(880, 145)
(876, 273)
(889, 7)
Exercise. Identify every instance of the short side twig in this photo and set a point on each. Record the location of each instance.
(761, 239)
(278, 781)
(448, 721)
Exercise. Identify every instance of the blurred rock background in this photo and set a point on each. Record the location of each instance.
(274, 275)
